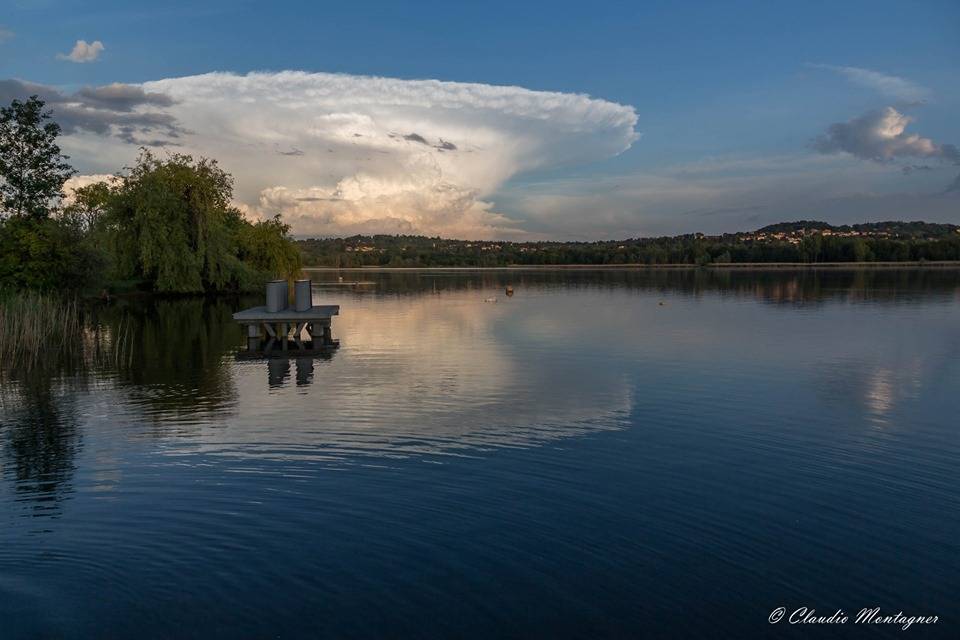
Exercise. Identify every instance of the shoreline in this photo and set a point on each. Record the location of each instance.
(939, 264)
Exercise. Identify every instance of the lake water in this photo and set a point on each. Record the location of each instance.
(604, 454)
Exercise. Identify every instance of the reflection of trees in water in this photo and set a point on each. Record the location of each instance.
(40, 437)
(175, 350)
(171, 362)
(812, 286)
(795, 286)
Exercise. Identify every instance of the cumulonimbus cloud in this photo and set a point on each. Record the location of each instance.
(340, 154)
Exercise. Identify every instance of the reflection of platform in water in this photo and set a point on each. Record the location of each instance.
(278, 371)
(279, 334)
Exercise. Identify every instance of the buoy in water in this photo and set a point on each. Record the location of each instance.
(509, 290)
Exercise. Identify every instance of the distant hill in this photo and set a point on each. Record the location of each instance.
(894, 228)
(802, 241)
(799, 225)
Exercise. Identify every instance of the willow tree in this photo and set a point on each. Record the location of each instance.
(169, 223)
(266, 247)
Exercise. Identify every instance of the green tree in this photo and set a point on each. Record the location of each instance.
(169, 224)
(48, 255)
(32, 169)
(267, 247)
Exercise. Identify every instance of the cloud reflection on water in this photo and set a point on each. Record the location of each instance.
(427, 375)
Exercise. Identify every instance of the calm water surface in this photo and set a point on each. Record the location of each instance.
(603, 454)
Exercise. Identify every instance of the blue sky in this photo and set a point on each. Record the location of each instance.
(729, 99)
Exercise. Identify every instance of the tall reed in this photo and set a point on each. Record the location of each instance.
(35, 327)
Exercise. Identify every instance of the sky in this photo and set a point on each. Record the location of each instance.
(519, 121)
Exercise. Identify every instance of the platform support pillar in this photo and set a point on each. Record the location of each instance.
(253, 337)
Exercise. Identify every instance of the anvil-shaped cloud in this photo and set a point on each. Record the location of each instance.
(342, 154)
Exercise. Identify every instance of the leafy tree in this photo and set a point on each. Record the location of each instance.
(47, 254)
(266, 247)
(32, 169)
(169, 224)
(171, 216)
(88, 205)
(36, 250)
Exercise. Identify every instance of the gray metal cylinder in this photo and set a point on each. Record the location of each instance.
(302, 295)
(277, 296)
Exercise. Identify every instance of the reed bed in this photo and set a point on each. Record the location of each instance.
(34, 326)
(39, 329)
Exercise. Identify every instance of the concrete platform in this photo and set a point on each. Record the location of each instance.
(278, 334)
(260, 314)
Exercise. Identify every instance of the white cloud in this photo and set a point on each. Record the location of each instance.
(889, 85)
(363, 204)
(79, 181)
(83, 51)
(340, 154)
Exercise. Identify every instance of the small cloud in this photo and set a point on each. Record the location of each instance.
(78, 181)
(292, 152)
(130, 134)
(5, 34)
(415, 137)
(83, 52)
(881, 136)
(443, 145)
(889, 85)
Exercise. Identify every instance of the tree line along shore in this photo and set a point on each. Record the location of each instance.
(787, 243)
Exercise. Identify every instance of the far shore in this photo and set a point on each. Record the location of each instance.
(940, 264)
